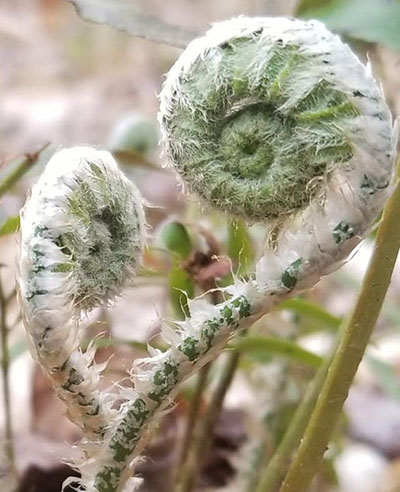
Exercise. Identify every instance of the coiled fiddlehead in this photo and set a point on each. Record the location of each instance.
(82, 232)
(260, 112)
(276, 120)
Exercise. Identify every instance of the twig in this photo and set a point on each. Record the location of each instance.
(356, 335)
(10, 296)
(276, 397)
(5, 361)
(268, 434)
(24, 166)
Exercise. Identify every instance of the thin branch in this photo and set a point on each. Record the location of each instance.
(269, 431)
(5, 364)
(10, 296)
(26, 163)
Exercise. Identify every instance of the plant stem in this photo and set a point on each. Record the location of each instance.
(5, 362)
(10, 296)
(356, 335)
(192, 415)
(24, 166)
(203, 434)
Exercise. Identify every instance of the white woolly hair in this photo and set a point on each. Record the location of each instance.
(79, 209)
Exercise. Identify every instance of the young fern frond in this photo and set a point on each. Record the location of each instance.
(271, 119)
(82, 232)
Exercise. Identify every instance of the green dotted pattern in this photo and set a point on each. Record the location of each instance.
(163, 381)
(101, 248)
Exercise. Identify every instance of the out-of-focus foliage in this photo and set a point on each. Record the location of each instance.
(123, 15)
(239, 247)
(10, 225)
(375, 21)
(263, 348)
(134, 133)
(386, 376)
(312, 313)
(176, 239)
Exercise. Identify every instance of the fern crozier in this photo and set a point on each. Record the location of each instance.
(82, 231)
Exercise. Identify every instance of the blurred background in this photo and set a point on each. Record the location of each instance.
(68, 82)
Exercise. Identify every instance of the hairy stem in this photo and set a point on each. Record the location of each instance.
(192, 420)
(356, 335)
(5, 362)
(157, 379)
(207, 424)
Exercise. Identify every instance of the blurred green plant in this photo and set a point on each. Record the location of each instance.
(125, 16)
(263, 349)
(9, 226)
(176, 239)
(239, 247)
(134, 133)
(374, 21)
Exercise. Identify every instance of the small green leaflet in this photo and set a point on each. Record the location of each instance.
(374, 21)
(10, 226)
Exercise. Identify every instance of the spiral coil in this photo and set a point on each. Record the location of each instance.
(259, 113)
(82, 232)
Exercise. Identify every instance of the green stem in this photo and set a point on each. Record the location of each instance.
(5, 364)
(192, 415)
(356, 335)
(203, 434)
(24, 166)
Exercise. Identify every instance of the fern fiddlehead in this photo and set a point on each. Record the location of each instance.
(275, 120)
(81, 239)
